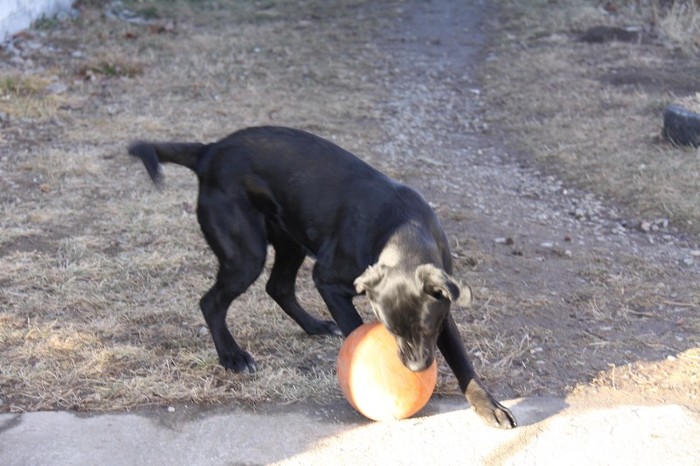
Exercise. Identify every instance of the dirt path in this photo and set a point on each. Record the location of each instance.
(566, 289)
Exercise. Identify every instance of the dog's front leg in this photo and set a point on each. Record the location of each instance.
(329, 280)
(485, 405)
(339, 303)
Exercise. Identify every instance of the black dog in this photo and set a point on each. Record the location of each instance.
(369, 234)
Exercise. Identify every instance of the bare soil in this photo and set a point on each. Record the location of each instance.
(580, 291)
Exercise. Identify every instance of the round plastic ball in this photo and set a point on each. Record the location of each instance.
(373, 379)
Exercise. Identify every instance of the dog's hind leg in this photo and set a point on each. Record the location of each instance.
(281, 285)
(237, 239)
(214, 304)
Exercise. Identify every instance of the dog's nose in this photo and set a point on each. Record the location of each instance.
(416, 365)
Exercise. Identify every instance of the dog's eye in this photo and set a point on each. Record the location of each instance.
(438, 295)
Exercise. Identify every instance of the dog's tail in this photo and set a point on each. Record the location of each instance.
(153, 154)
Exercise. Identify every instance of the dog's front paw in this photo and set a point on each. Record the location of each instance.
(324, 327)
(239, 362)
(490, 410)
(497, 415)
(331, 328)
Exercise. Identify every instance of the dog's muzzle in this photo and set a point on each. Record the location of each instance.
(415, 359)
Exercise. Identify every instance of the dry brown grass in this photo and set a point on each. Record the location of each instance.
(691, 102)
(100, 273)
(675, 380)
(679, 24)
(592, 112)
(26, 96)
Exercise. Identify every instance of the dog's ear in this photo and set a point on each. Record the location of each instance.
(465, 296)
(369, 278)
(440, 285)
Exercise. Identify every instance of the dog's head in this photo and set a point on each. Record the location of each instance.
(412, 305)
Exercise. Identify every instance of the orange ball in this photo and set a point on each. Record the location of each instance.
(373, 379)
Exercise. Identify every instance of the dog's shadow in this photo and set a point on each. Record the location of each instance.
(530, 411)
(527, 411)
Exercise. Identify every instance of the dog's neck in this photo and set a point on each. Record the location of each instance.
(410, 246)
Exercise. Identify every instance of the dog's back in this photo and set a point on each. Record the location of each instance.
(292, 160)
(310, 185)
(270, 150)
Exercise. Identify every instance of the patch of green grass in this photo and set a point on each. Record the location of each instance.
(46, 23)
(111, 67)
(26, 96)
(150, 12)
(21, 86)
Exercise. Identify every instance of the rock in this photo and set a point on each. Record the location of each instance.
(603, 34)
(661, 223)
(56, 88)
(618, 230)
(681, 126)
(507, 241)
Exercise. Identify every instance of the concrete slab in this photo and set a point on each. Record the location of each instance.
(16, 15)
(446, 433)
